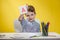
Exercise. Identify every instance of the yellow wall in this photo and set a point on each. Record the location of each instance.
(47, 10)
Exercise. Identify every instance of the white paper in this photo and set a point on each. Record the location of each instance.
(23, 9)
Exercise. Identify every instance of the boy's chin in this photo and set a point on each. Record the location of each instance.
(31, 20)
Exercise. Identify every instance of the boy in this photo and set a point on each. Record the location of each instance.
(29, 24)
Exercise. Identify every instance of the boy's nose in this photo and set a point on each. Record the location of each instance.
(30, 17)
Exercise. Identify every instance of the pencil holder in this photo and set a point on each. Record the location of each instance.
(45, 29)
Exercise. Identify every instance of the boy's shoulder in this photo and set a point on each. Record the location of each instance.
(37, 21)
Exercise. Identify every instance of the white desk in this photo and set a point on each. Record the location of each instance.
(25, 36)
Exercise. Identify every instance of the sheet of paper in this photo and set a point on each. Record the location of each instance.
(23, 9)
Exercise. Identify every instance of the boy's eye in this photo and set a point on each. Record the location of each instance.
(27, 15)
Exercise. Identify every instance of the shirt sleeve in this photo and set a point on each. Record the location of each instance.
(23, 22)
(38, 29)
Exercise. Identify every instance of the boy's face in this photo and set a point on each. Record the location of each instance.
(30, 16)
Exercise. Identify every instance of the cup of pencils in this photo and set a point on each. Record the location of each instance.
(45, 28)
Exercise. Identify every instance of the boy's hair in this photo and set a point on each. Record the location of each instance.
(31, 9)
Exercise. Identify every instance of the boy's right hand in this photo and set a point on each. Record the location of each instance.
(21, 17)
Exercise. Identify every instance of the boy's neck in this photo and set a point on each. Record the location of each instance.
(32, 21)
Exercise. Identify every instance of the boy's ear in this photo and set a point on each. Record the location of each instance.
(35, 14)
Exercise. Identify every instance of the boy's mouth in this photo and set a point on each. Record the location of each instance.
(30, 19)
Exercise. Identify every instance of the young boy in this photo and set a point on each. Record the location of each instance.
(29, 24)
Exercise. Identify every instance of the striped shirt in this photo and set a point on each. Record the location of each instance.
(30, 26)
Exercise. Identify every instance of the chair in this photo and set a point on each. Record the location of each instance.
(17, 26)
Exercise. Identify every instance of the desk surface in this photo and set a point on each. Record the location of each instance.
(51, 35)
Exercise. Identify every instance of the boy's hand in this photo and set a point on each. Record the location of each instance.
(21, 17)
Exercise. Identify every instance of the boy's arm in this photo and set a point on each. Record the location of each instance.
(21, 17)
(22, 20)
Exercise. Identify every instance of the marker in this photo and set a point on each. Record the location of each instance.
(47, 26)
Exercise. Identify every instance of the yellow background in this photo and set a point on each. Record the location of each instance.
(47, 10)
